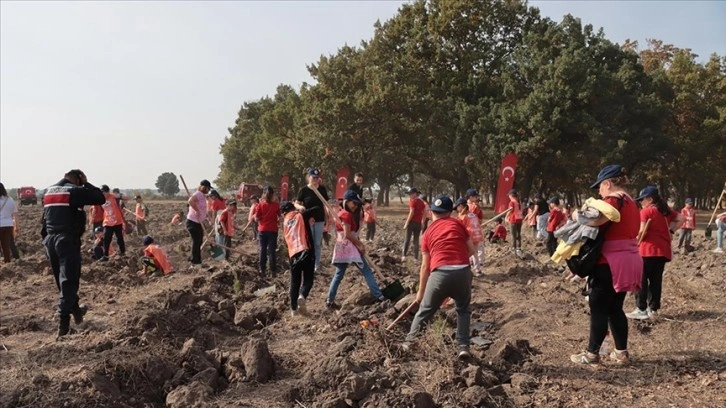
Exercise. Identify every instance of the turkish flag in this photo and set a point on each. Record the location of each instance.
(342, 185)
(283, 188)
(506, 181)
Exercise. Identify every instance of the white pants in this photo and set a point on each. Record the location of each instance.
(542, 225)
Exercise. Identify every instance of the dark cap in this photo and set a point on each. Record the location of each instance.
(471, 193)
(607, 172)
(648, 191)
(460, 201)
(147, 240)
(689, 201)
(554, 200)
(412, 190)
(205, 183)
(98, 230)
(351, 195)
(513, 192)
(231, 202)
(287, 207)
(442, 204)
(138, 197)
(313, 172)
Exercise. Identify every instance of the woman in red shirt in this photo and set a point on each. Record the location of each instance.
(655, 248)
(267, 216)
(618, 271)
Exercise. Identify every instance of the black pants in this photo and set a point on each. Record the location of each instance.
(516, 230)
(268, 249)
(551, 243)
(370, 230)
(606, 309)
(108, 233)
(652, 284)
(7, 243)
(228, 244)
(64, 253)
(197, 235)
(302, 271)
(413, 231)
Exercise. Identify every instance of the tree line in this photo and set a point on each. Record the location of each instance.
(445, 88)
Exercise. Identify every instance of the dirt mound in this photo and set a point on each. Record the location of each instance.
(223, 336)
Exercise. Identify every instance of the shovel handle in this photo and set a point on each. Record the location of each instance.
(403, 314)
(501, 214)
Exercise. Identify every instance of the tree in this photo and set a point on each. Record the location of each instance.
(167, 184)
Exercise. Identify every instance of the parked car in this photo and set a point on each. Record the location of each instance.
(27, 195)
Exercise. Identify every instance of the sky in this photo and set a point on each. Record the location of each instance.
(128, 90)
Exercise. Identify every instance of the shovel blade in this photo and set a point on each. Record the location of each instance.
(393, 291)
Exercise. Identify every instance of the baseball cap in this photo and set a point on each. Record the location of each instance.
(607, 172)
(147, 240)
(648, 191)
(138, 197)
(351, 195)
(231, 202)
(513, 192)
(313, 172)
(471, 192)
(98, 229)
(442, 204)
(287, 207)
(460, 201)
(205, 183)
(554, 200)
(412, 190)
(689, 201)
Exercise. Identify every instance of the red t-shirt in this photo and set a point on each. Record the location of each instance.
(445, 242)
(657, 240)
(267, 215)
(629, 224)
(217, 204)
(500, 232)
(515, 216)
(555, 219)
(347, 218)
(474, 208)
(418, 207)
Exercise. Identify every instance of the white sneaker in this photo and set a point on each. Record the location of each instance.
(301, 307)
(652, 314)
(717, 251)
(403, 258)
(637, 314)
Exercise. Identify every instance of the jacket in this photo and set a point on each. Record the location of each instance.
(63, 207)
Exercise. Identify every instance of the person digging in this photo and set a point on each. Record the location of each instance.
(445, 273)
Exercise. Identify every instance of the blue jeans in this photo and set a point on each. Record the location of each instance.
(318, 241)
(338, 277)
(720, 228)
(268, 248)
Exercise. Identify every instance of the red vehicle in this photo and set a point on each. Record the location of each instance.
(247, 190)
(27, 195)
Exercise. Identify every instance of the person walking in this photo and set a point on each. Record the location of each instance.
(113, 223)
(267, 215)
(655, 248)
(689, 224)
(412, 226)
(141, 212)
(618, 271)
(445, 273)
(349, 249)
(63, 225)
(195, 219)
(299, 240)
(542, 213)
(307, 199)
(8, 215)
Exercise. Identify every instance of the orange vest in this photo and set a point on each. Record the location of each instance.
(471, 222)
(112, 214)
(139, 211)
(154, 251)
(293, 227)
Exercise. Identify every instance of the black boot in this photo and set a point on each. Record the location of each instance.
(65, 325)
(78, 313)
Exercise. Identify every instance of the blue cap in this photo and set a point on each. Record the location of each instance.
(412, 190)
(459, 201)
(471, 193)
(554, 200)
(205, 183)
(689, 201)
(607, 172)
(442, 204)
(313, 172)
(147, 240)
(287, 207)
(351, 195)
(648, 191)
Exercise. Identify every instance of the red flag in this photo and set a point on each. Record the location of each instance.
(342, 185)
(283, 188)
(506, 182)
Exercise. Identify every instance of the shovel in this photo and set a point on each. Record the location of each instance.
(708, 230)
(392, 291)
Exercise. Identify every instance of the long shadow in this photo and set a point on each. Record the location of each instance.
(698, 315)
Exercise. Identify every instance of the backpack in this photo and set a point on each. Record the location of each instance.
(584, 263)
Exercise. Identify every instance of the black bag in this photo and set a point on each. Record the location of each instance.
(584, 263)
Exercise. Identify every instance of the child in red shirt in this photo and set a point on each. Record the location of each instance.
(416, 209)
(267, 215)
(471, 223)
(514, 218)
(300, 249)
(369, 217)
(499, 234)
(225, 227)
(555, 220)
(689, 224)
(155, 260)
(445, 272)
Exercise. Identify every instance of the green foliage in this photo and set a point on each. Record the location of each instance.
(167, 184)
(445, 88)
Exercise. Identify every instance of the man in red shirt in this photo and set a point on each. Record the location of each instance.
(555, 220)
(412, 226)
(445, 273)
